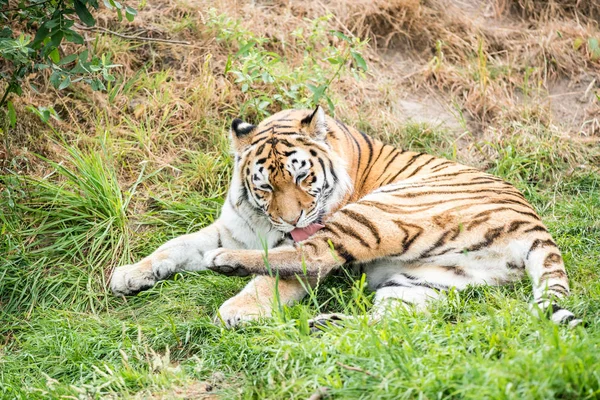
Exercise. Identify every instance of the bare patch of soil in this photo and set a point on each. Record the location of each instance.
(574, 105)
(522, 48)
(427, 109)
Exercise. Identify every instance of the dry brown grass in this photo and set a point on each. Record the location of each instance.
(546, 10)
(485, 55)
(491, 63)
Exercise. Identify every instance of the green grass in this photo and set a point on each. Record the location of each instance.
(65, 335)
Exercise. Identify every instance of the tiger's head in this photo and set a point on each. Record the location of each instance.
(287, 169)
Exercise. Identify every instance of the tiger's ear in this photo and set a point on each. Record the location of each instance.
(315, 124)
(241, 134)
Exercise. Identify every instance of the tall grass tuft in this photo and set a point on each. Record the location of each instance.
(63, 232)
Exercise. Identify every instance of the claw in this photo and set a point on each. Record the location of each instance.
(322, 322)
(229, 270)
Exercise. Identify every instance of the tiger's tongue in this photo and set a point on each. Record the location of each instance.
(300, 234)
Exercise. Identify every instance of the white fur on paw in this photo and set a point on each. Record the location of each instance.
(209, 256)
(162, 269)
(237, 311)
(131, 279)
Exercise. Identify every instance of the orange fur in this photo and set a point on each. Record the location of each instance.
(410, 214)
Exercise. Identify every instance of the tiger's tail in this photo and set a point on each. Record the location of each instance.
(546, 268)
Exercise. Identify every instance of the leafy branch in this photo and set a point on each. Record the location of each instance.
(265, 75)
(35, 45)
(24, 7)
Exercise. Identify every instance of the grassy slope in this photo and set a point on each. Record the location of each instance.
(479, 342)
(64, 335)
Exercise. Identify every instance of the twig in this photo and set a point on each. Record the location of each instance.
(348, 32)
(583, 98)
(130, 37)
(6, 93)
(410, 75)
(357, 369)
(565, 94)
(11, 85)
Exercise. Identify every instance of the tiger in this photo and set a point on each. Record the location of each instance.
(319, 195)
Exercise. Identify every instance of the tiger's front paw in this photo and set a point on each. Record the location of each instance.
(225, 262)
(131, 279)
(241, 309)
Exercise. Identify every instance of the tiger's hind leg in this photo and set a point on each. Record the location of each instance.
(392, 291)
(402, 291)
(393, 294)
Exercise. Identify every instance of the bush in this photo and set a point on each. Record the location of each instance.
(31, 39)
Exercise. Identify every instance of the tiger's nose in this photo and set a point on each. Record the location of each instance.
(295, 221)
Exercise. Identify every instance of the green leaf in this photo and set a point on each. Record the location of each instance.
(97, 85)
(6, 32)
(83, 56)
(228, 64)
(360, 61)
(82, 12)
(65, 83)
(318, 92)
(594, 47)
(267, 78)
(12, 114)
(340, 35)
(68, 59)
(54, 56)
(53, 23)
(42, 112)
(41, 34)
(55, 39)
(55, 78)
(130, 13)
(330, 104)
(73, 37)
(311, 87)
(244, 50)
(34, 88)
